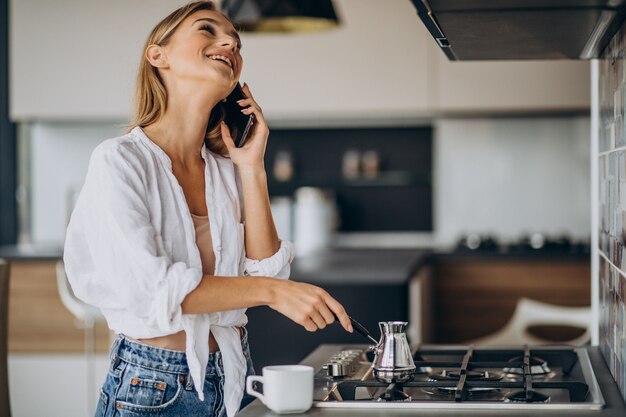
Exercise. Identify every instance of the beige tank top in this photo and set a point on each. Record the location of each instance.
(205, 244)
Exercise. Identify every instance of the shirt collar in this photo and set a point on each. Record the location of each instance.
(139, 133)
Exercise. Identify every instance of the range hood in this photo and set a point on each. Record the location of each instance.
(521, 29)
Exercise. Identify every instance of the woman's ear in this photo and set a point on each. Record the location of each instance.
(156, 56)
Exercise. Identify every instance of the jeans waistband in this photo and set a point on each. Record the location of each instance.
(153, 357)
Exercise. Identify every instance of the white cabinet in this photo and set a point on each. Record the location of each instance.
(77, 59)
(372, 66)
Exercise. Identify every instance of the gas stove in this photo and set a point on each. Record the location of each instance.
(463, 377)
(524, 245)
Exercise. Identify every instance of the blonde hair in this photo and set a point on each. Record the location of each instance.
(150, 93)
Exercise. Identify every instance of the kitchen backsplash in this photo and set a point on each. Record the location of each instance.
(512, 176)
(612, 208)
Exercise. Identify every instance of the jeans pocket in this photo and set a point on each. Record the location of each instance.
(101, 408)
(146, 391)
(149, 391)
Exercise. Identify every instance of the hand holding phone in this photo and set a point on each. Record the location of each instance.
(238, 123)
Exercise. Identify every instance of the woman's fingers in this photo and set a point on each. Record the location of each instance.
(319, 321)
(309, 325)
(246, 90)
(328, 315)
(257, 113)
(246, 102)
(310, 306)
(228, 140)
(249, 101)
(340, 312)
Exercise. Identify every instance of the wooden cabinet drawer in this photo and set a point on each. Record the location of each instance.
(38, 320)
(476, 298)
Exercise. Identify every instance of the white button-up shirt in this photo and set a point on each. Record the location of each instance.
(130, 250)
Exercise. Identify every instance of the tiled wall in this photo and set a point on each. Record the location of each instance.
(506, 176)
(612, 208)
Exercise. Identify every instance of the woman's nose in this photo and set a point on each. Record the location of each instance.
(229, 42)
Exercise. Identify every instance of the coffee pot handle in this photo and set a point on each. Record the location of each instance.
(360, 329)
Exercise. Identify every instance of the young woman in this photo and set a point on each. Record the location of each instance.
(172, 235)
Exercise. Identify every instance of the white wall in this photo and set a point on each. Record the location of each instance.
(510, 176)
(59, 158)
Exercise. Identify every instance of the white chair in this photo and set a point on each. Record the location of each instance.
(532, 313)
(85, 317)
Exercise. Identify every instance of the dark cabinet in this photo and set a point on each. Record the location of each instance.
(274, 339)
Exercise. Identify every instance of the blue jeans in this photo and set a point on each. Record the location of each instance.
(148, 381)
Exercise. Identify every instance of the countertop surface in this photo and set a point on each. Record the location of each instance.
(35, 252)
(344, 265)
(359, 266)
(614, 404)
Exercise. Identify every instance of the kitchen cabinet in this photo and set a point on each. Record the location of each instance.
(371, 284)
(370, 66)
(421, 324)
(38, 321)
(380, 65)
(473, 298)
(275, 339)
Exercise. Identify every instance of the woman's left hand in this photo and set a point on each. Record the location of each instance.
(250, 155)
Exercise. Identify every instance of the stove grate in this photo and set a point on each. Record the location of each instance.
(564, 358)
(526, 388)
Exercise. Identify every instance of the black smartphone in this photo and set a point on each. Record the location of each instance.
(238, 123)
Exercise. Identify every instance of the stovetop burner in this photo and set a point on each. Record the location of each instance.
(468, 377)
(394, 392)
(527, 397)
(455, 375)
(538, 366)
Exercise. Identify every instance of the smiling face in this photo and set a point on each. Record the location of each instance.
(205, 48)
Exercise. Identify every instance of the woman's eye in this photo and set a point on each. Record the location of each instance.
(208, 29)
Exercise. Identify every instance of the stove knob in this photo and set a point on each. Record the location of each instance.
(347, 366)
(336, 369)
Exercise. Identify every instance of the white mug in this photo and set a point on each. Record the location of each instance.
(287, 389)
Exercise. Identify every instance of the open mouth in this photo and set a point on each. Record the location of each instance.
(222, 59)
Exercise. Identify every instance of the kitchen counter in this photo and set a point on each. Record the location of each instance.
(359, 266)
(349, 266)
(36, 252)
(614, 404)
(537, 255)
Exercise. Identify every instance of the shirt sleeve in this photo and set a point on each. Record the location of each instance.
(113, 256)
(277, 265)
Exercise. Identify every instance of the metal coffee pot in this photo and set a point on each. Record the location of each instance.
(393, 361)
